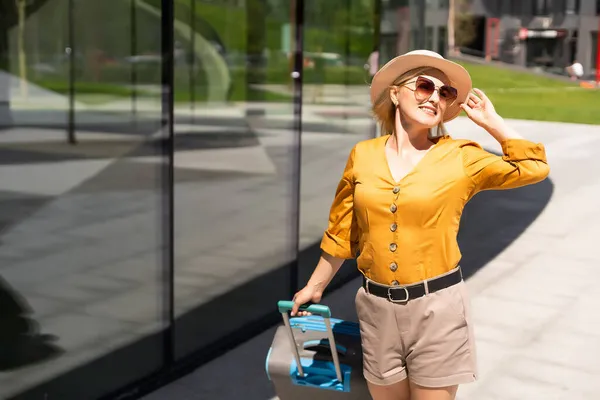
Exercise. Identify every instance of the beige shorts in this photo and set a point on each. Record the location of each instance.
(429, 339)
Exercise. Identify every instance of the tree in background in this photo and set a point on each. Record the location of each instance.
(461, 25)
(10, 16)
(339, 26)
(21, 4)
(452, 51)
(256, 42)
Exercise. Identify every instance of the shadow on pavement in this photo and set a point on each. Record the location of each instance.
(21, 342)
(492, 220)
(137, 138)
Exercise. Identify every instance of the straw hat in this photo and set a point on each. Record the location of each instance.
(459, 77)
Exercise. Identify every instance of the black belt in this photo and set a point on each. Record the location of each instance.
(402, 294)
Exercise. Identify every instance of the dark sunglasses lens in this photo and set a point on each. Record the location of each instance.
(425, 87)
(448, 92)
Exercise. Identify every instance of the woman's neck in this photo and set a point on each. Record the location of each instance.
(409, 138)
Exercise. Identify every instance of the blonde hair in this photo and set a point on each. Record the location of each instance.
(384, 110)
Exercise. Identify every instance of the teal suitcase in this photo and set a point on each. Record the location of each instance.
(301, 365)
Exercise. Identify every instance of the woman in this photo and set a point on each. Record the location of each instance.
(398, 205)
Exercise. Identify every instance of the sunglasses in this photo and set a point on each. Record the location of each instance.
(425, 87)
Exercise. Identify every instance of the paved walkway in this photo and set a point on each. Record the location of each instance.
(535, 303)
(538, 332)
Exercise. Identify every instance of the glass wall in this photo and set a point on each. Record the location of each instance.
(81, 197)
(132, 242)
(236, 149)
(339, 45)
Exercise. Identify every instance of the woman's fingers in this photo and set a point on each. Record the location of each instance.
(304, 314)
(466, 108)
(473, 96)
(471, 101)
(481, 94)
(474, 101)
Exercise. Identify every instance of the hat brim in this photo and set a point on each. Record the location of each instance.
(457, 74)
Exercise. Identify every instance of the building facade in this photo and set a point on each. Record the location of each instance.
(546, 34)
(166, 172)
(410, 24)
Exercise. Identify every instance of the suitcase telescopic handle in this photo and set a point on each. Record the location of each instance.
(318, 309)
(324, 311)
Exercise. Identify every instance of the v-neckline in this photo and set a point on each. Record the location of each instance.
(411, 171)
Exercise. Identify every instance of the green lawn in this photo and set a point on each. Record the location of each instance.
(515, 94)
(525, 96)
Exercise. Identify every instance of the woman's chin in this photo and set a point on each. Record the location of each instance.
(428, 121)
(422, 119)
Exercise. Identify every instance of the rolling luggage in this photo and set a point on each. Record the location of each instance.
(301, 364)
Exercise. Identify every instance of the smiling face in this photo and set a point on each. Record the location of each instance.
(420, 105)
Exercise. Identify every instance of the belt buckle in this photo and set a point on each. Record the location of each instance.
(389, 294)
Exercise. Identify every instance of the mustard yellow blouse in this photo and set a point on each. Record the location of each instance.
(406, 231)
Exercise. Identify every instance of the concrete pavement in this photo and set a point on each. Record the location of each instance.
(538, 334)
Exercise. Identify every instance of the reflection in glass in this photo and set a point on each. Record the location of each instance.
(338, 46)
(233, 167)
(22, 342)
(80, 234)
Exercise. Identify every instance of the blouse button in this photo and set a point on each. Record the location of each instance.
(393, 227)
(395, 283)
(393, 208)
(393, 247)
(393, 267)
(396, 189)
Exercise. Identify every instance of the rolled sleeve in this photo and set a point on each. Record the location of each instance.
(339, 239)
(522, 163)
(336, 246)
(520, 150)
